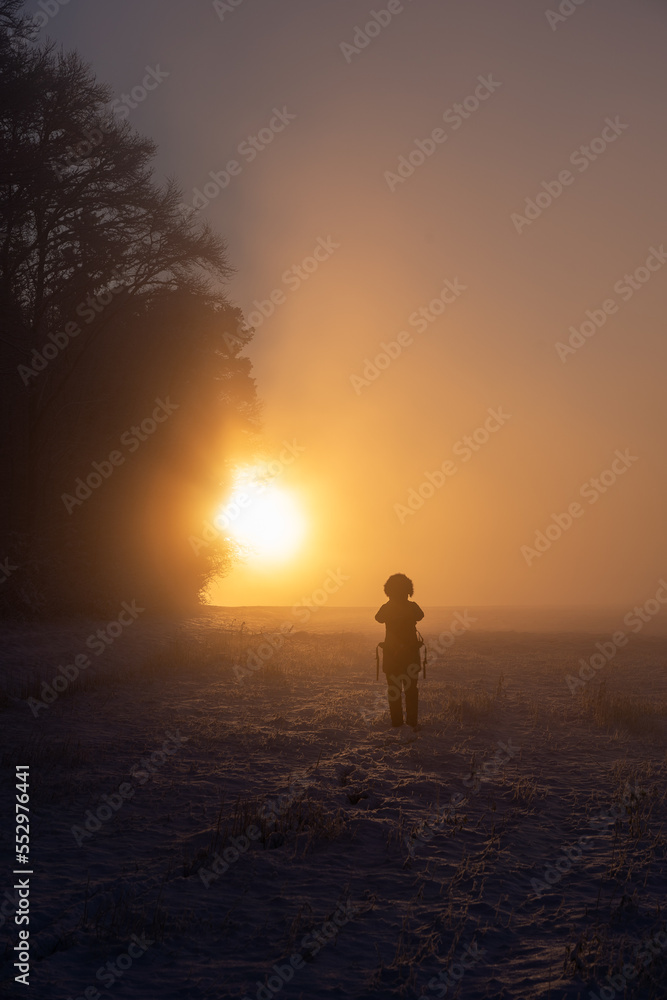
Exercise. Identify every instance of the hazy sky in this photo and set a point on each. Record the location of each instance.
(581, 96)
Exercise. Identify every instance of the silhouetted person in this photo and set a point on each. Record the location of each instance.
(401, 659)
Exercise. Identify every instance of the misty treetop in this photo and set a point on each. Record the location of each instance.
(111, 298)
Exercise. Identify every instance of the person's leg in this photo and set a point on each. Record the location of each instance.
(411, 700)
(394, 696)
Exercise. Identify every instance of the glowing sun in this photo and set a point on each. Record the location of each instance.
(265, 520)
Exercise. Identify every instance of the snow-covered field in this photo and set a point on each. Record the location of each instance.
(201, 829)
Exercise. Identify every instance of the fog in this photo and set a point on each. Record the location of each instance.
(458, 218)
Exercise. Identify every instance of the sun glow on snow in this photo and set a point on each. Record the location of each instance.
(265, 520)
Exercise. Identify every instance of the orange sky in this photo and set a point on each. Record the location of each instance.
(572, 111)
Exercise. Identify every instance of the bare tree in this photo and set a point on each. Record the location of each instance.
(97, 262)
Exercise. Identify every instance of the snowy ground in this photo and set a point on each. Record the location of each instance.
(431, 863)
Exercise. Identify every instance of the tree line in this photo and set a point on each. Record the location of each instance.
(123, 375)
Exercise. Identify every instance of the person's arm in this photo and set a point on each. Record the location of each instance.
(381, 616)
(419, 614)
